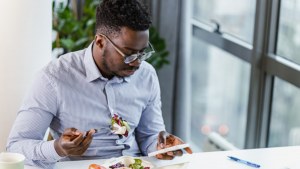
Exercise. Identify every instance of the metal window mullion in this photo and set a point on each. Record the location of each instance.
(265, 115)
(233, 46)
(182, 99)
(269, 78)
(261, 83)
(283, 68)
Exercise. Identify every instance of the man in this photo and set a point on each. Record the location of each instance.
(82, 90)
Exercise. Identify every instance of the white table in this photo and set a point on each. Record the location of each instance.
(268, 158)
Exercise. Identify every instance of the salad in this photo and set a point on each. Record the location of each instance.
(119, 126)
(136, 165)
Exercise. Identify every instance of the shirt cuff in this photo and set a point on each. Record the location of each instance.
(49, 151)
(152, 147)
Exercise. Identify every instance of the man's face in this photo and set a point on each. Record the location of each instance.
(110, 61)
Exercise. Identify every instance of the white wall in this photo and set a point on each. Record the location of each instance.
(25, 47)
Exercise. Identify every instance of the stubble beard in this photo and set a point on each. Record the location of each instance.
(104, 63)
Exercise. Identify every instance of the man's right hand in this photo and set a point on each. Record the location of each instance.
(73, 142)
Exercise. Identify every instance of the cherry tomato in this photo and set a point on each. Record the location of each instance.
(95, 166)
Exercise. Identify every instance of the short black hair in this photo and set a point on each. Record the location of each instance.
(111, 15)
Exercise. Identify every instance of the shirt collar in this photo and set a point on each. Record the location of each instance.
(127, 79)
(92, 71)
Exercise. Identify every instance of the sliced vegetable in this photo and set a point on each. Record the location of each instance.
(96, 166)
(118, 165)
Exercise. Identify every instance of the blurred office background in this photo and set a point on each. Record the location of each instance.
(240, 82)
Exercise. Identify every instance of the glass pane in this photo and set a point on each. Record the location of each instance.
(288, 44)
(237, 19)
(285, 118)
(220, 87)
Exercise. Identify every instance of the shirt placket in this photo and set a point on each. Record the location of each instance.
(110, 98)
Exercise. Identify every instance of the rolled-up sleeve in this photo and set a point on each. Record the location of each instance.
(151, 122)
(36, 113)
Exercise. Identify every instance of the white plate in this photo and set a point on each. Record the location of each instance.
(178, 147)
(126, 160)
(176, 166)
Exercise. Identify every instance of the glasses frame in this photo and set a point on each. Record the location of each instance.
(141, 57)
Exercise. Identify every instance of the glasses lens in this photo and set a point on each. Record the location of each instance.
(146, 56)
(142, 57)
(130, 58)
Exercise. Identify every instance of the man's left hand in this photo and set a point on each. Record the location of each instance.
(166, 140)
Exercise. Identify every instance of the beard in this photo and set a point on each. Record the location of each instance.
(106, 59)
(104, 63)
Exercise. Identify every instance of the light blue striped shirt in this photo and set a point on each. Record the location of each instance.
(71, 92)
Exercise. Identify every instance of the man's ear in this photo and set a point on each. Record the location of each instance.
(100, 41)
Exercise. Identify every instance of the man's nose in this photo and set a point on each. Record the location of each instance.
(135, 63)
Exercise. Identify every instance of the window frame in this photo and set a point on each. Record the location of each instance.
(265, 64)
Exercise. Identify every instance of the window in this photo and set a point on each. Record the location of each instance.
(247, 78)
(285, 118)
(237, 19)
(220, 87)
(288, 44)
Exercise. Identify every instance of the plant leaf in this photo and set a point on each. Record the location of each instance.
(80, 42)
(67, 43)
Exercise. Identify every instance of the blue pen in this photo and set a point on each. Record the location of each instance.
(244, 162)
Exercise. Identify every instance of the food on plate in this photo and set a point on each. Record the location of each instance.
(118, 165)
(136, 165)
(119, 126)
(95, 166)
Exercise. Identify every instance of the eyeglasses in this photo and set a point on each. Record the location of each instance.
(132, 58)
